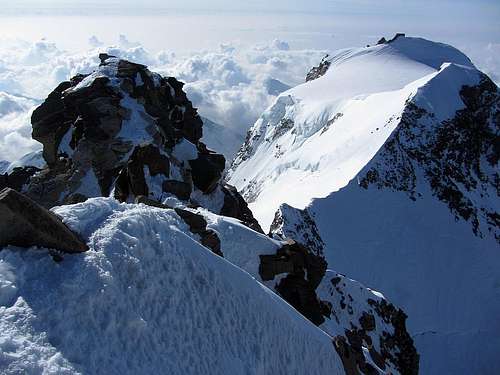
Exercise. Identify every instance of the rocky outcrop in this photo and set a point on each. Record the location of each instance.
(24, 223)
(290, 222)
(302, 272)
(18, 179)
(235, 206)
(369, 332)
(126, 131)
(198, 225)
(319, 70)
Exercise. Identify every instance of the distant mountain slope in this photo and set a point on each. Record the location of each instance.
(221, 138)
(394, 151)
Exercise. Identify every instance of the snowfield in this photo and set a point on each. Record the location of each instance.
(146, 298)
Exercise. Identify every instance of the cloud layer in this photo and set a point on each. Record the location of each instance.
(231, 85)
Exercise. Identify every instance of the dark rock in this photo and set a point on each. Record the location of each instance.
(304, 271)
(151, 202)
(210, 239)
(207, 170)
(19, 177)
(104, 56)
(382, 41)
(367, 321)
(347, 355)
(235, 206)
(300, 293)
(197, 223)
(24, 223)
(180, 189)
(320, 70)
(398, 35)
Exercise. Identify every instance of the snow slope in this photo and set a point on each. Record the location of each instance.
(146, 298)
(396, 164)
(317, 136)
(221, 138)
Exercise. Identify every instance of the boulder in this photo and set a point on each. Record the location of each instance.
(24, 223)
(304, 271)
(180, 189)
(206, 171)
(235, 206)
(320, 70)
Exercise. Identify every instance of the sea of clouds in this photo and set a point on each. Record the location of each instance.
(230, 85)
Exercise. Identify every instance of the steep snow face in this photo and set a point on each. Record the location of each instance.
(146, 298)
(317, 136)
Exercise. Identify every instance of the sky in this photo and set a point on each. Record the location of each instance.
(228, 52)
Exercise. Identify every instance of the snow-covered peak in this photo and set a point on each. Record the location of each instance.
(326, 130)
(393, 150)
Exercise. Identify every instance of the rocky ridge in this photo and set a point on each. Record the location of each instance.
(127, 132)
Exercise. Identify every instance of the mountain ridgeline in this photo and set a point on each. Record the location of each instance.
(391, 154)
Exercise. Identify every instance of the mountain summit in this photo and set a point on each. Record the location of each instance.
(392, 151)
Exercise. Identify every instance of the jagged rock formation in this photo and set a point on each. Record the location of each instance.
(127, 132)
(24, 223)
(320, 70)
(369, 332)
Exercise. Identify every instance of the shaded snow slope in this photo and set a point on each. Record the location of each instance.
(445, 278)
(317, 136)
(147, 298)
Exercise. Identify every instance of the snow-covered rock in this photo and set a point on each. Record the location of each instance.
(123, 131)
(394, 152)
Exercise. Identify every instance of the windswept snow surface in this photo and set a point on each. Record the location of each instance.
(146, 298)
(317, 136)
